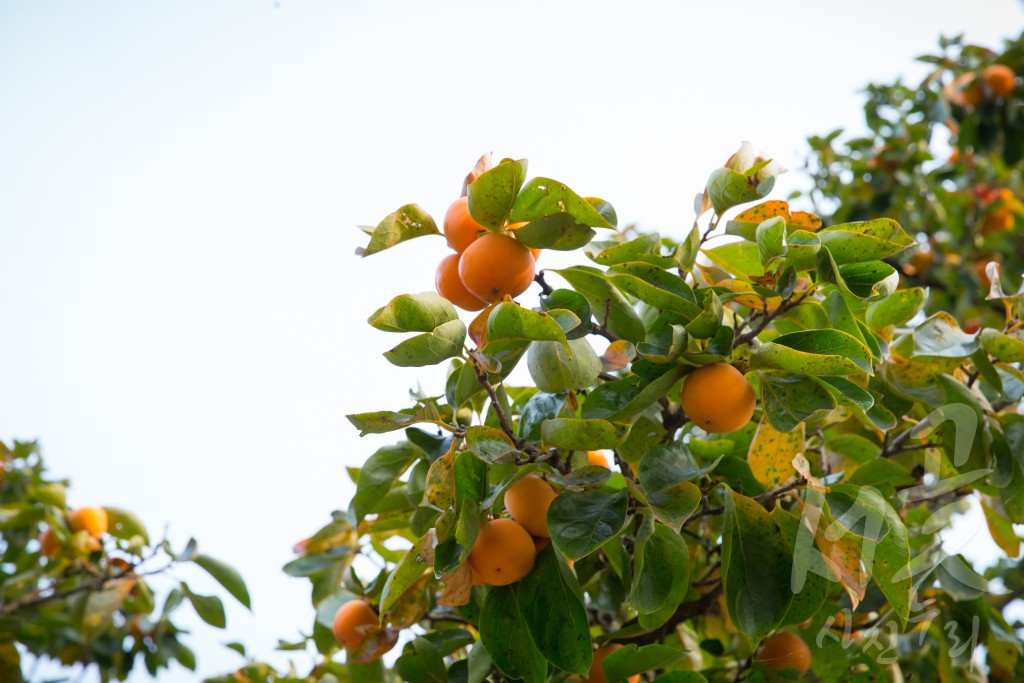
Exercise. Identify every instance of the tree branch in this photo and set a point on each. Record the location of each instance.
(767, 316)
(687, 610)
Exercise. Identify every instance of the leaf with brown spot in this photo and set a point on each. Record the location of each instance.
(804, 220)
(746, 222)
(440, 486)
(771, 453)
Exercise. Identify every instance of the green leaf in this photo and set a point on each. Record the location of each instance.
(559, 232)
(378, 475)
(728, 188)
(209, 607)
(871, 281)
(812, 594)
(125, 525)
(563, 300)
(756, 565)
(668, 465)
(682, 677)
(581, 522)
(408, 222)
(545, 197)
(430, 348)
(868, 241)
(890, 568)
(506, 636)
(382, 421)
(1008, 348)
(662, 574)
(707, 322)
(509, 323)
(413, 313)
(802, 249)
(742, 259)
(630, 659)
(582, 435)
(490, 444)
(622, 400)
(897, 308)
(552, 606)
(940, 338)
(492, 195)
(664, 345)
(610, 307)
(541, 406)
(816, 352)
(854, 447)
(645, 248)
(771, 239)
(422, 663)
(659, 288)
(226, 576)
(48, 494)
(462, 385)
(409, 569)
(686, 254)
(556, 369)
(789, 399)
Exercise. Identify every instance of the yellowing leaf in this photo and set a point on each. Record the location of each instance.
(803, 220)
(771, 453)
(1000, 527)
(764, 211)
(618, 355)
(841, 555)
(750, 300)
(440, 486)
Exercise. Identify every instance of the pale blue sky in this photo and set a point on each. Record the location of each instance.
(183, 316)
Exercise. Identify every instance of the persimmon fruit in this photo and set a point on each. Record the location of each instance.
(718, 398)
(965, 90)
(596, 674)
(527, 501)
(49, 544)
(785, 650)
(496, 265)
(503, 553)
(1000, 79)
(460, 230)
(353, 623)
(449, 285)
(597, 458)
(91, 520)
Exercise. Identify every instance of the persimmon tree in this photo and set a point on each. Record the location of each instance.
(77, 585)
(724, 457)
(944, 158)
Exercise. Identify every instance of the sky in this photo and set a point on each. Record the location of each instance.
(182, 313)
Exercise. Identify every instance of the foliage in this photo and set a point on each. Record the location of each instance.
(943, 158)
(83, 598)
(820, 516)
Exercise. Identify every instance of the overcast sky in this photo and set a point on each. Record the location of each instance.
(183, 318)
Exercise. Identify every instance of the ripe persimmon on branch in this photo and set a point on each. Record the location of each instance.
(720, 455)
(79, 586)
(750, 380)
